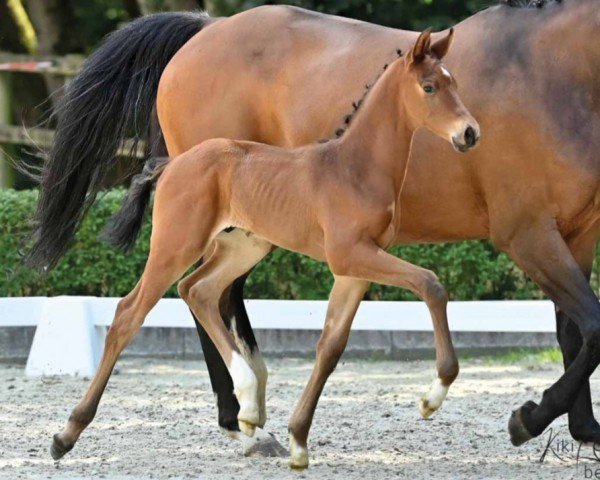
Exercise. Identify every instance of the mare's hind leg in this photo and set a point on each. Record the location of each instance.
(202, 291)
(159, 274)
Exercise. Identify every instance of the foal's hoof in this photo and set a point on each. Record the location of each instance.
(247, 428)
(433, 399)
(298, 455)
(263, 444)
(248, 418)
(516, 427)
(59, 448)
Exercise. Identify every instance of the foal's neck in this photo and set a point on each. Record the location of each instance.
(380, 135)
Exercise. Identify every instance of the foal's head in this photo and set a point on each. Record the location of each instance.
(431, 97)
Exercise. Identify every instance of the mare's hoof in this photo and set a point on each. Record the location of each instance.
(516, 427)
(587, 432)
(264, 444)
(59, 448)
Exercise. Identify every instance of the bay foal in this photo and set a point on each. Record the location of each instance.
(334, 201)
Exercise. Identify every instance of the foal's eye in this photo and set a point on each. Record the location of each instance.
(428, 89)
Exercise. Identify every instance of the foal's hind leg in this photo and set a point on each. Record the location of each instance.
(202, 290)
(181, 231)
(158, 276)
(236, 250)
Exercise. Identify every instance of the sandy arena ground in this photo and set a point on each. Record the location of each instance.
(158, 420)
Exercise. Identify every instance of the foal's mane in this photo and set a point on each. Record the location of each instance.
(356, 105)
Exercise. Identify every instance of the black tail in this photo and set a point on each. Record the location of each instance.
(111, 99)
(125, 225)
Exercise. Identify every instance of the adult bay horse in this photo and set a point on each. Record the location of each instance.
(335, 201)
(286, 76)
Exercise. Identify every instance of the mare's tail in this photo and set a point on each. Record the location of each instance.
(110, 100)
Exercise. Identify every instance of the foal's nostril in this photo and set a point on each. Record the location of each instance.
(470, 136)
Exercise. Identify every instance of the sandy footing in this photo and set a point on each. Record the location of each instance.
(158, 420)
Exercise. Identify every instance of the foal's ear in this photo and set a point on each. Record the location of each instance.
(441, 47)
(421, 48)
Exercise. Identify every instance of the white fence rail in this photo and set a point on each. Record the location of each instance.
(70, 330)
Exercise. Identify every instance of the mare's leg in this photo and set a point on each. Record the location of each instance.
(164, 267)
(344, 300)
(202, 290)
(543, 254)
(582, 424)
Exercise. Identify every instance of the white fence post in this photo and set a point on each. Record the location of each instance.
(66, 341)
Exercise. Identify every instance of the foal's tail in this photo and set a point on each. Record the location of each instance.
(125, 225)
(110, 100)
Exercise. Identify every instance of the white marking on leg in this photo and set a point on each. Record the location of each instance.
(433, 399)
(298, 454)
(262, 374)
(245, 387)
(257, 364)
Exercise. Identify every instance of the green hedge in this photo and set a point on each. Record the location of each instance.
(469, 270)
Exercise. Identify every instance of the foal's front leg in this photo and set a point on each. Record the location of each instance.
(344, 300)
(354, 268)
(369, 262)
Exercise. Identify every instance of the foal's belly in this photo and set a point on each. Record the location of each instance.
(278, 209)
(292, 234)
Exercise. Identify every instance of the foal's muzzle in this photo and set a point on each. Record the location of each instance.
(467, 139)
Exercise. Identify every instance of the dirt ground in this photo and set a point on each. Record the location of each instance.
(158, 420)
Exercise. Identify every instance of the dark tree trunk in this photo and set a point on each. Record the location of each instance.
(57, 33)
(151, 6)
(132, 8)
(56, 27)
